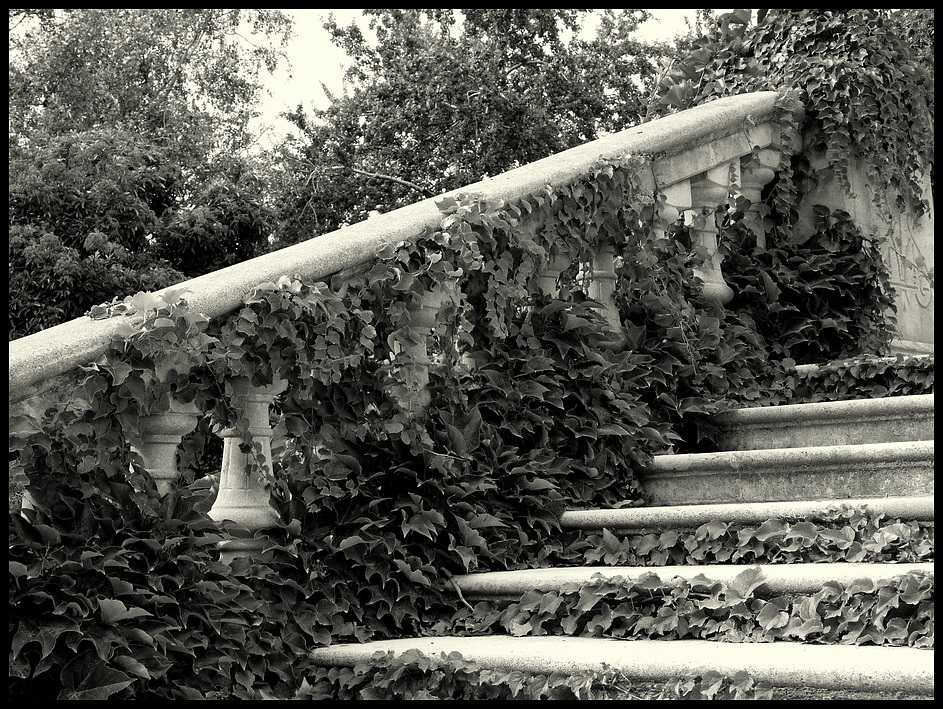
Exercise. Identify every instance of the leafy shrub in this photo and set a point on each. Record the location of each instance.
(116, 592)
(816, 297)
(105, 212)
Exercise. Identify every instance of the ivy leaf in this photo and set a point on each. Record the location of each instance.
(131, 666)
(571, 322)
(483, 520)
(350, 541)
(18, 569)
(772, 617)
(45, 634)
(427, 523)
(113, 610)
(470, 537)
(812, 625)
(413, 575)
(842, 538)
(87, 677)
(144, 301)
(746, 581)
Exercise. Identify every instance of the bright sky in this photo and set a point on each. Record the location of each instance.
(314, 59)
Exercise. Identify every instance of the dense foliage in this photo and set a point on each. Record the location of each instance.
(117, 592)
(500, 88)
(867, 91)
(531, 411)
(897, 611)
(128, 163)
(847, 534)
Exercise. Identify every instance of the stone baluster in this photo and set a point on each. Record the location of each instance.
(602, 286)
(549, 276)
(677, 198)
(161, 433)
(243, 498)
(707, 194)
(416, 374)
(757, 171)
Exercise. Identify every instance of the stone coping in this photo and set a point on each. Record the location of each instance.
(848, 411)
(793, 458)
(690, 516)
(782, 664)
(777, 578)
(806, 370)
(59, 349)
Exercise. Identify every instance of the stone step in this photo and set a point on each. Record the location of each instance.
(886, 420)
(778, 579)
(882, 670)
(780, 474)
(639, 519)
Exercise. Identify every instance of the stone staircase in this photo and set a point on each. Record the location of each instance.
(789, 462)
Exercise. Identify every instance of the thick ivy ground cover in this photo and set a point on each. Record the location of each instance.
(118, 593)
(897, 611)
(847, 534)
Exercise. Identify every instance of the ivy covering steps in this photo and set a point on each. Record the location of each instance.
(872, 669)
(801, 485)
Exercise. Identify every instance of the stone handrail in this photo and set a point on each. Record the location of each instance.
(694, 160)
(681, 147)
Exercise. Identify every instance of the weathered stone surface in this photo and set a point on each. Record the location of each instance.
(907, 247)
(635, 519)
(778, 578)
(878, 669)
(813, 473)
(885, 420)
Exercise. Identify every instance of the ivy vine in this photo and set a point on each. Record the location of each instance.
(117, 592)
(863, 92)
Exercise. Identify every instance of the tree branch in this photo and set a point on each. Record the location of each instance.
(389, 178)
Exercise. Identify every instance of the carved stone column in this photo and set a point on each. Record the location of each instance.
(602, 286)
(243, 498)
(707, 194)
(755, 173)
(160, 435)
(416, 372)
(677, 198)
(549, 276)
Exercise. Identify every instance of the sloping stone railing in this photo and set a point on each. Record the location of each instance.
(695, 160)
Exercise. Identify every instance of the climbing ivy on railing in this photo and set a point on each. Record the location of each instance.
(863, 91)
(118, 593)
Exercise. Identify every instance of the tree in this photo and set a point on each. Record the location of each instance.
(129, 167)
(443, 98)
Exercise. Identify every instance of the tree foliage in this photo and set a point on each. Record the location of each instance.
(128, 163)
(444, 98)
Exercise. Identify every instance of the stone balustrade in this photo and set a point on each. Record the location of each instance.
(243, 497)
(161, 433)
(695, 161)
